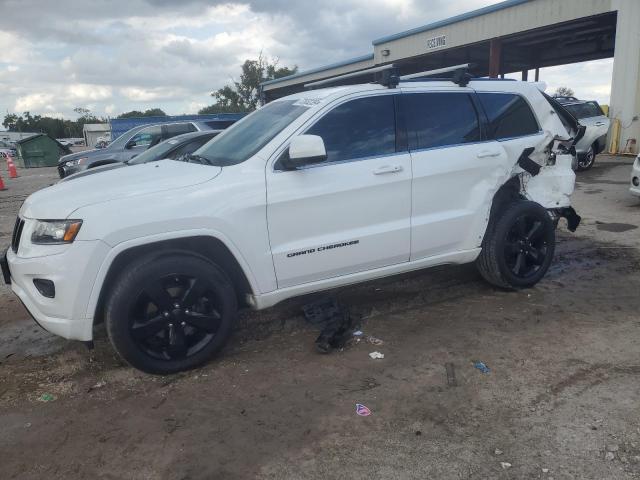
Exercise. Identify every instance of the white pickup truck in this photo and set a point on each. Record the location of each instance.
(313, 191)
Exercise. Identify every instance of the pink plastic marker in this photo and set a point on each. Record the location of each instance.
(362, 410)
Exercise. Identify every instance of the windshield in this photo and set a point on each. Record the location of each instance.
(155, 153)
(584, 110)
(119, 143)
(245, 138)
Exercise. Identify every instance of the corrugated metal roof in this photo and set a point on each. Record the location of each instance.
(96, 127)
(344, 63)
(455, 19)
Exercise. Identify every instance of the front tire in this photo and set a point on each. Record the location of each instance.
(518, 247)
(170, 313)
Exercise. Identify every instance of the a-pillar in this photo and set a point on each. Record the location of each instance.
(625, 87)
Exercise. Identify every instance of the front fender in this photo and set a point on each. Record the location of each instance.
(141, 241)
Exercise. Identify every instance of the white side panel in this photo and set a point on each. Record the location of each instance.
(339, 218)
(452, 192)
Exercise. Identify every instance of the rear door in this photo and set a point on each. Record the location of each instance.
(350, 213)
(455, 170)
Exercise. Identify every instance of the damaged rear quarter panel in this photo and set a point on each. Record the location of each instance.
(553, 185)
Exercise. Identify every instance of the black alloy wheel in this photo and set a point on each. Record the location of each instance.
(170, 312)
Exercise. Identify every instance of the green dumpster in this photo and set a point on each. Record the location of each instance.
(39, 151)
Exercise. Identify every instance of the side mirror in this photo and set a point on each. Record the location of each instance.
(130, 144)
(305, 150)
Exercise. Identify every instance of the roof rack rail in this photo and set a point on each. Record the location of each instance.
(388, 79)
(460, 72)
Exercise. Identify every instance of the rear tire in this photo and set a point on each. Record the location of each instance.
(586, 162)
(170, 313)
(518, 247)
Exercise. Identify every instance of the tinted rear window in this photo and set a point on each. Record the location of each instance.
(509, 115)
(584, 110)
(440, 119)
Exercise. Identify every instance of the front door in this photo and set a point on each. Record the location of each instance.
(350, 213)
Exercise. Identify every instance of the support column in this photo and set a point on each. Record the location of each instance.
(537, 74)
(495, 57)
(625, 86)
(525, 75)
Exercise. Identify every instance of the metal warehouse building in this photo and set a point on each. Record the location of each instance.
(512, 36)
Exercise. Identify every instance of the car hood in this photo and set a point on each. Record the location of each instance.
(102, 154)
(62, 199)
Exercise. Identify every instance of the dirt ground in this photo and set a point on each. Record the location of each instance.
(561, 399)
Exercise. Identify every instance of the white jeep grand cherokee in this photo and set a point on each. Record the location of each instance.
(313, 191)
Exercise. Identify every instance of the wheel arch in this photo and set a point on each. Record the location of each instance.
(509, 192)
(208, 247)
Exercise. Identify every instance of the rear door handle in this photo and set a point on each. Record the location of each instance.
(488, 153)
(387, 169)
(599, 124)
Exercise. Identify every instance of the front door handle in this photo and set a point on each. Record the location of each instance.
(387, 169)
(599, 124)
(488, 153)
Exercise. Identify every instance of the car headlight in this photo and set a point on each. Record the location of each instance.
(77, 161)
(55, 232)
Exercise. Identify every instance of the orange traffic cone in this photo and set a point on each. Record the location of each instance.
(13, 172)
(2, 187)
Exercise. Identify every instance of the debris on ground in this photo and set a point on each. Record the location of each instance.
(497, 451)
(609, 456)
(358, 333)
(612, 447)
(100, 384)
(46, 397)
(335, 322)
(545, 470)
(482, 367)
(362, 410)
(505, 465)
(376, 355)
(374, 341)
(451, 374)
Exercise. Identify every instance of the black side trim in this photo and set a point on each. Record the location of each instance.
(527, 164)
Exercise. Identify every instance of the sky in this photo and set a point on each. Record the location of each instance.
(120, 55)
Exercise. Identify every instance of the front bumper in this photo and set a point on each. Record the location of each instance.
(635, 176)
(73, 272)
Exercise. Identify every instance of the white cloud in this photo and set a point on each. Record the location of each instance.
(137, 54)
(33, 102)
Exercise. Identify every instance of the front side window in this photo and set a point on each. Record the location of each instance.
(439, 119)
(146, 137)
(244, 139)
(359, 128)
(509, 115)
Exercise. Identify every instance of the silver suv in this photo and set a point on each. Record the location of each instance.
(126, 146)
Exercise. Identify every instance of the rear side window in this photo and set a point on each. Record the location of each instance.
(174, 129)
(360, 128)
(509, 115)
(584, 110)
(439, 119)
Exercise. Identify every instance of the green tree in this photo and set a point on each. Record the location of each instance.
(244, 95)
(152, 112)
(564, 92)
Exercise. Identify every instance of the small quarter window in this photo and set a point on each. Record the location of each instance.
(509, 115)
